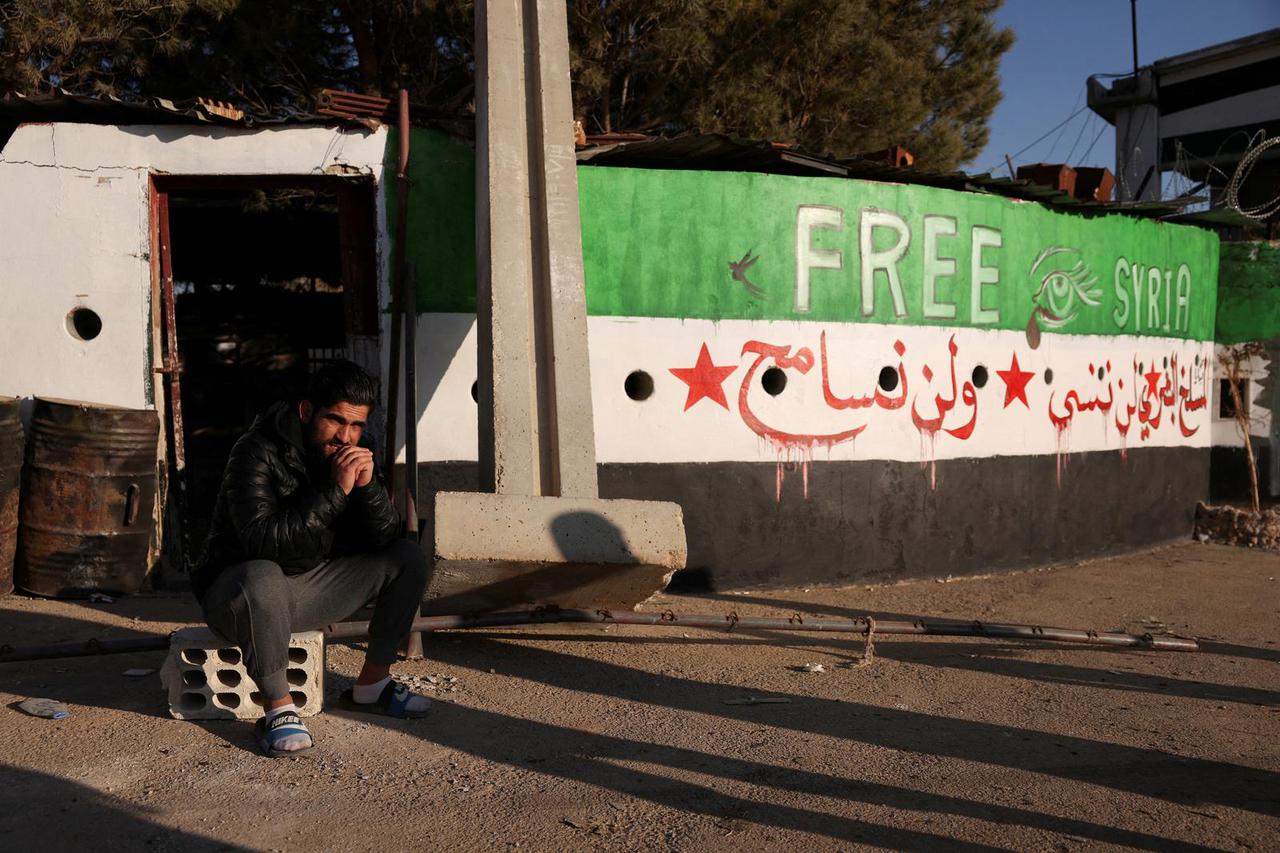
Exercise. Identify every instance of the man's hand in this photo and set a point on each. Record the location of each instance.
(352, 466)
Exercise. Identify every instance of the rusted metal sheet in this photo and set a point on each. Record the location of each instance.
(1058, 176)
(88, 495)
(349, 105)
(895, 156)
(1094, 183)
(12, 441)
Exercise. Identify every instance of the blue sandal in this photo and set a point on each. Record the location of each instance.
(392, 702)
(280, 727)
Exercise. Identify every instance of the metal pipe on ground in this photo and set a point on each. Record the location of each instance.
(86, 648)
(667, 619)
(731, 621)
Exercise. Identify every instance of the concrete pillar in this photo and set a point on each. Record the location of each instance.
(543, 537)
(537, 433)
(1138, 143)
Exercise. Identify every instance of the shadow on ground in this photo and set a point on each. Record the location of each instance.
(76, 817)
(597, 759)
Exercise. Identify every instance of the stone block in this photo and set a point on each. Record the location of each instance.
(206, 679)
(496, 552)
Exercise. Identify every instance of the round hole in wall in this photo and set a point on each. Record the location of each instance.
(195, 657)
(1140, 370)
(256, 698)
(980, 376)
(773, 381)
(229, 677)
(638, 385)
(1166, 362)
(299, 698)
(297, 677)
(231, 656)
(84, 324)
(1048, 376)
(297, 655)
(888, 380)
(1102, 371)
(194, 678)
(228, 700)
(475, 391)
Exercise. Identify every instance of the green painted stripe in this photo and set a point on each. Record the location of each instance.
(659, 243)
(442, 217)
(1249, 294)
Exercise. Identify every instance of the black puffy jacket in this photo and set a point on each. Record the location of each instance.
(272, 506)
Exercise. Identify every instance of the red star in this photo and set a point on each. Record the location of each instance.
(1153, 381)
(1015, 383)
(704, 379)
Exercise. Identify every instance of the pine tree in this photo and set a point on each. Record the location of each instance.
(832, 76)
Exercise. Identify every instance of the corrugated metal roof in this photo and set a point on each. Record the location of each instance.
(64, 106)
(722, 152)
(700, 151)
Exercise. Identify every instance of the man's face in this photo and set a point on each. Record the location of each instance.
(329, 428)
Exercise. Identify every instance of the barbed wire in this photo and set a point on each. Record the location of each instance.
(1231, 197)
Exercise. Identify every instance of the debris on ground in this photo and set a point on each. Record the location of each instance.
(813, 667)
(757, 700)
(48, 708)
(101, 598)
(137, 673)
(1230, 525)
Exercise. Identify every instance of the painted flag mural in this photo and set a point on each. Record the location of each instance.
(785, 331)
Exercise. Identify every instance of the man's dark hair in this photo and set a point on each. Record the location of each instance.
(342, 382)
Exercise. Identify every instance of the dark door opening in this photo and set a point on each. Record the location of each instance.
(269, 283)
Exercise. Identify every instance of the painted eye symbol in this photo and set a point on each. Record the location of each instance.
(1066, 285)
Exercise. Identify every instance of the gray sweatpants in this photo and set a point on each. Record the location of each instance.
(256, 606)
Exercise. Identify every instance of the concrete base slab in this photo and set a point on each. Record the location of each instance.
(503, 552)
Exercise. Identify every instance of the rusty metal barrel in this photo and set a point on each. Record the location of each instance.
(12, 442)
(88, 496)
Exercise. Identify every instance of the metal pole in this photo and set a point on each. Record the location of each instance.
(397, 287)
(413, 642)
(1133, 25)
(173, 369)
(409, 297)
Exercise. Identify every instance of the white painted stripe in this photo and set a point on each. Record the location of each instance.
(802, 422)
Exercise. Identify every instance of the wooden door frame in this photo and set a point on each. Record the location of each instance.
(358, 245)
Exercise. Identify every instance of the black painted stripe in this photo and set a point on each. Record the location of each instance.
(879, 520)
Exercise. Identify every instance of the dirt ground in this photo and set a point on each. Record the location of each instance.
(620, 738)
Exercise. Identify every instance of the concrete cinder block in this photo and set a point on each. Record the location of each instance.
(503, 552)
(206, 679)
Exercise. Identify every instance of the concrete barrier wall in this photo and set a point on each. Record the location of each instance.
(937, 381)
(1248, 312)
(839, 379)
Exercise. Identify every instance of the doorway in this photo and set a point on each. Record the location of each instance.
(266, 280)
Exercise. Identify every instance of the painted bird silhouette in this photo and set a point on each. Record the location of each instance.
(739, 271)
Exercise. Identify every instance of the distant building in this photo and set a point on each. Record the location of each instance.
(1194, 114)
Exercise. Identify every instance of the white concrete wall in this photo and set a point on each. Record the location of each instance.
(1226, 431)
(74, 231)
(1098, 390)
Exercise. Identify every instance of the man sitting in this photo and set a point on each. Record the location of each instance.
(303, 534)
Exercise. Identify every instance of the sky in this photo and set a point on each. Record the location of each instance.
(1060, 44)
